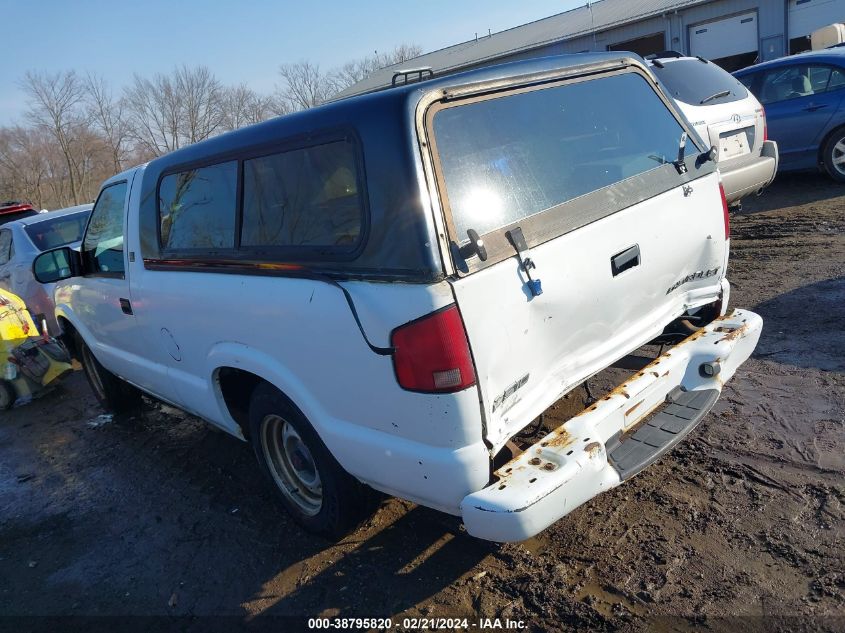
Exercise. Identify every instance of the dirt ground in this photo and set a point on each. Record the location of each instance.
(739, 528)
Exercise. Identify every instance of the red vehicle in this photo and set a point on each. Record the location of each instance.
(14, 210)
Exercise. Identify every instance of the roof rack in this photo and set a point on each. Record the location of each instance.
(407, 74)
(664, 55)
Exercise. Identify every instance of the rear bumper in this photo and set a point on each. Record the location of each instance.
(605, 444)
(749, 175)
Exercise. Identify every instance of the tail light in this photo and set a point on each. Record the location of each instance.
(765, 124)
(432, 353)
(725, 212)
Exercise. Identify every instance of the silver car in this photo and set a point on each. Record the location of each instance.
(22, 240)
(726, 116)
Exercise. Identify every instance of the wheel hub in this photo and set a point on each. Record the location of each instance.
(291, 464)
(838, 156)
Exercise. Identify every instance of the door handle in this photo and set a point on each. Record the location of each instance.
(813, 108)
(625, 260)
(126, 306)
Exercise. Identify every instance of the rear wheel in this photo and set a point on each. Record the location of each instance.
(313, 487)
(833, 155)
(115, 395)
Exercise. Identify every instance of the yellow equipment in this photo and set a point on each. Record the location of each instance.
(29, 362)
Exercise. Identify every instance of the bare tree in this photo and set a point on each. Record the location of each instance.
(153, 110)
(243, 106)
(23, 171)
(107, 115)
(55, 101)
(304, 85)
(169, 111)
(200, 94)
(80, 133)
(357, 70)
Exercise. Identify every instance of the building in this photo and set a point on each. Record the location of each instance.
(733, 33)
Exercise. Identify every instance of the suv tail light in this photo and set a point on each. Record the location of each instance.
(725, 212)
(765, 125)
(432, 353)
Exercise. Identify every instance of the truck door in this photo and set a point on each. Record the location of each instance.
(101, 300)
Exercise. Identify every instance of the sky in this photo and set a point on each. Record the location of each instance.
(240, 41)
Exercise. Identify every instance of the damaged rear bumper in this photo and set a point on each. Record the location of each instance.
(609, 441)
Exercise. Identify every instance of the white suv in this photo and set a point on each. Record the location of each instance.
(726, 116)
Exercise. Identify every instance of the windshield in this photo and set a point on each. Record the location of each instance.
(509, 157)
(697, 83)
(57, 231)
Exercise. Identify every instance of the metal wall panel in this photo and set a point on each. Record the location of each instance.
(593, 28)
(805, 16)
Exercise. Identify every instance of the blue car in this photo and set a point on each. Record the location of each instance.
(804, 97)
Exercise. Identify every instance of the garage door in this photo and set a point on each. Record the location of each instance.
(642, 45)
(805, 16)
(730, 42)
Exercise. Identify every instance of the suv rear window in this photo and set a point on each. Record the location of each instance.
(696, 83)
(57, 231)
(509, 157)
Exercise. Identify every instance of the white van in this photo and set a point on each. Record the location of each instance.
(384, 291)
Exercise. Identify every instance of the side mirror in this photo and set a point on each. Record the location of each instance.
(57, 264)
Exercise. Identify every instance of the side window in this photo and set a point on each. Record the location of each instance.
(197, 208)
(305, 197)
(837, 79)
(102, 247)
(819, 78)
(794, 82)
(5, 246)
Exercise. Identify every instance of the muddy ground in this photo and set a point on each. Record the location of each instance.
(739, 528)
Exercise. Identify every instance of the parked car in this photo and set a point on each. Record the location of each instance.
(389, 289)
(15, 210)
(803, 96)
(726, 116)
(22, 240)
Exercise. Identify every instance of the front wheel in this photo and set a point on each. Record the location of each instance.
(115, 395)
(833, 155)
(313, 487)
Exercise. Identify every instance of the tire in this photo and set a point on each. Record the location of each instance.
(319, 495)
(833, 155)
(8, 395)
(114, 395)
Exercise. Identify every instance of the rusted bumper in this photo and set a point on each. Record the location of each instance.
(572, 464)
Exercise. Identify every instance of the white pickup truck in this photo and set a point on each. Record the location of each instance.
(386, 290)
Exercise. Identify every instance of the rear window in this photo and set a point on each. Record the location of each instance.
(58, 231)
(20, 215)
(697, 83)
(510, 157)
